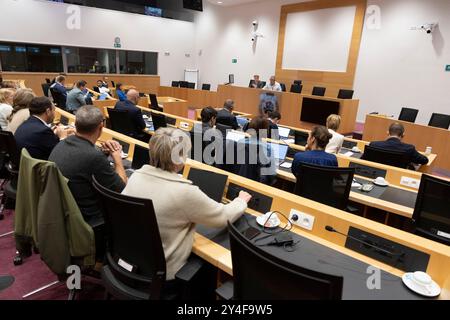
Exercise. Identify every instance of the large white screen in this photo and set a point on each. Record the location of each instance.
(319, 40)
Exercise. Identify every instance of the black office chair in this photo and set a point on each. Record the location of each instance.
(439, 120)
(58, 98)
(387, 157)
(121, 122)
(431, 217)
(298, 82)
(263, 84)
(96, 89)
(45, 89)
(133, 239)
(113, 84)
(259, 275)
(409, 115)
(48, 81)
(283, 87)
(175, 84)
(159, 121)
(191, 85)
(328, 185)
(10, 157)
(184, 84)
(319, 91)
(223, 128)
(345, 94)
(206, 87)
(154, 103)
(295, 88)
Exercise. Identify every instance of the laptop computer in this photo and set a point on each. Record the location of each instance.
(279, 151)
(235, 136)
(211, 183)
(242, 121)
(301, 138)
(284, 132)
(141, 157)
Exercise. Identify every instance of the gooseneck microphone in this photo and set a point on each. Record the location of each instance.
(331, 229)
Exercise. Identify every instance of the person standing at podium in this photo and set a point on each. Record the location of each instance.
(273, 85)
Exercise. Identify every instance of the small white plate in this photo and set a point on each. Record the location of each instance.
(262, 220)
(380, 184)
(432, 291)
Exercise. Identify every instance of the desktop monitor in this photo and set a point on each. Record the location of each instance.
(440, 121)
(284, 132)
(141, 157)
(318, 110)
(211, 183)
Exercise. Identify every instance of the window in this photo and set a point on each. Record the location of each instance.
(135, 62)
(30, 58)
(87, 60)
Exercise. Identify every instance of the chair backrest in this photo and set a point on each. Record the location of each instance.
(8, 147)
(48, 81)
(319, 91)
(408, 114)
(439, 120)
(113, 84)
(58, 99)
(295, 88)
(175, 84)
(388, 157)
(96, 89)
(432, 211)
(121, 122)
(159, 121)
(283, 87)
(184, 84)
(223, 128)
(345, 94)
(328, 185)
(45, 88)
(133, 240)
(191, 85)
(206, 87)
(298, 82)
(259, 275)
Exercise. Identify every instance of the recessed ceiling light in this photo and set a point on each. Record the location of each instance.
(219, 2)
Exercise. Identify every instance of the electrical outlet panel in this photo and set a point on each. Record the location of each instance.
(410, 182)
(301, 219)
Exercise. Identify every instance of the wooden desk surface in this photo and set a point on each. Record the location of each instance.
(438, 266)
(419, 135)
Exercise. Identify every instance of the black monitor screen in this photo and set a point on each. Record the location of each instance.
(141, 157)
(211, 183)
(317, 110)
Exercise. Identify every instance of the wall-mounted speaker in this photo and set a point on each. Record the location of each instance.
(193, 5)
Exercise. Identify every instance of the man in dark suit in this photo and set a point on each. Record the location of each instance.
(59, 91)
(394, 143)
(134, 113)
(226, 117)
(36, 134)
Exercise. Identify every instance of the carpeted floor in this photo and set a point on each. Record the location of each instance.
(33, 273)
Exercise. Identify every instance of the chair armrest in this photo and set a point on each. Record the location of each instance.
(226, 290)
(190, 269)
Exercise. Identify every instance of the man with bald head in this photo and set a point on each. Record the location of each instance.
(273, 85)
(134, 113)
(226, 116)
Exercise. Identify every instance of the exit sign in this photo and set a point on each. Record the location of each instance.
(447, 68)
(235, 61)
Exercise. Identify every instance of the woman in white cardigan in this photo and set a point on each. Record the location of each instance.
(178, 204)
(335, 144)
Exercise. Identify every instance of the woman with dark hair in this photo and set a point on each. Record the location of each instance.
(315, 150)
(120, 94)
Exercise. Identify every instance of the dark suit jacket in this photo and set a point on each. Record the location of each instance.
(225, 117)
(135, 115)
(395, 144)
(260, 85)
(60, 89)
(36, 137)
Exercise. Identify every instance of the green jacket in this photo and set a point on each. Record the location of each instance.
(47, 214)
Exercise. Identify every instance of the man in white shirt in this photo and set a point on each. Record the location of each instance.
(335, 143)
(273, 85)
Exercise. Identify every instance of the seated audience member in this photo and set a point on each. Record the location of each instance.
(274, 118)
(21, 112)
(90, 161)
(7, 84)
(36, 134)
(272, 85)
(394, 142)
(102, 87)
(209, 116)
(6, 102)
(134, 113)
(76, 98)
(59, 85)
(256, 83)
(259, 164)
(315, 151)
(335, 144)
(120, 94)
(178, 204)
(226, 117)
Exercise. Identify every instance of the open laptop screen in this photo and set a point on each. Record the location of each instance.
(211, 183)
(279, 151)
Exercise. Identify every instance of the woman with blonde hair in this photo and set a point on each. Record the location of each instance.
(6, 101)
(20, 112)
(178, 204)
(337, 139)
